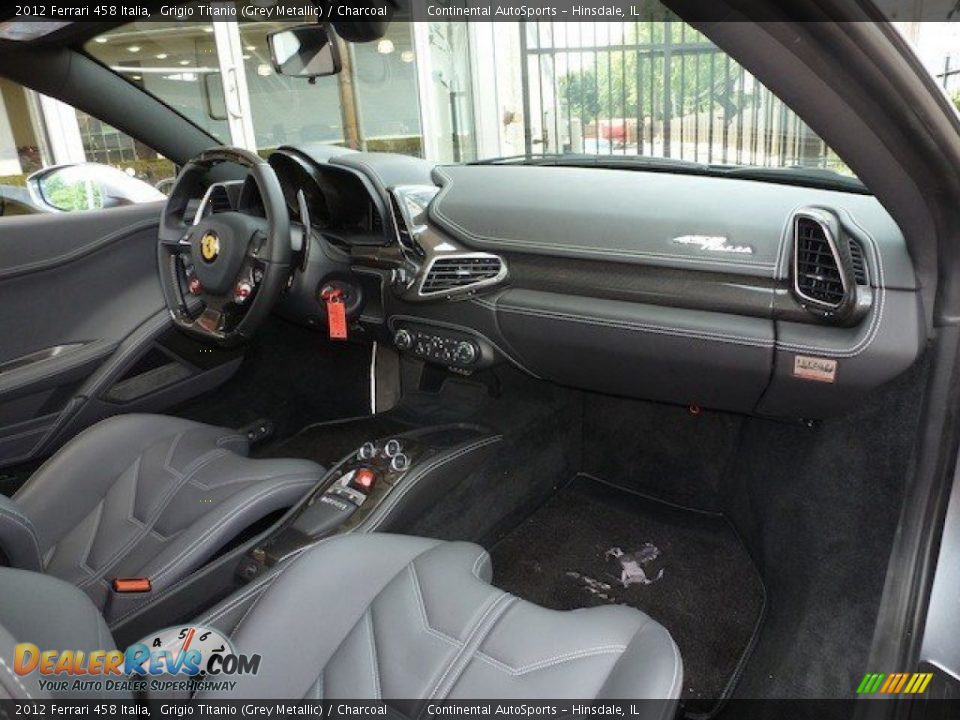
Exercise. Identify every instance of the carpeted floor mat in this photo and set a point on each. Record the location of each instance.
(594, 544)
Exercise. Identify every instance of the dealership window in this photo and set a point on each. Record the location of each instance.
(54, 158)
(192, 66)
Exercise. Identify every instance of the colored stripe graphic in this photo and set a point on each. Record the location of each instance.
(894, 683)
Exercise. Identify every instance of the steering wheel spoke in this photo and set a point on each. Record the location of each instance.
(234, 262)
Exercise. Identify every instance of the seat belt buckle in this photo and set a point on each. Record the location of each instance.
(132, 585)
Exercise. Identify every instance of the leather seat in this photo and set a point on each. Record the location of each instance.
(143, 496)
(388, 616)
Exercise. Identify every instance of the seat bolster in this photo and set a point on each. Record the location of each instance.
(76, 478)
(284, 486)
(312, 605)
(650, 667)
(18, 538)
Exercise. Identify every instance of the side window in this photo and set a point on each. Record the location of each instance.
(54, 158)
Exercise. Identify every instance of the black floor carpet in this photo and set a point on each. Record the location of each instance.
(292, 376)
(702, 586)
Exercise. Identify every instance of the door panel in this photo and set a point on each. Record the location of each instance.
(81, 311)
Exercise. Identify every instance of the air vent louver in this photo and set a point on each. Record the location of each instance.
(818, 275)
(219, 200)
(859, 264)
(457, 273)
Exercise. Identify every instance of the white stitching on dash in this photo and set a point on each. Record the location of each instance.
(876, 317)
(639, 327)
(586, 249)
(551, 661)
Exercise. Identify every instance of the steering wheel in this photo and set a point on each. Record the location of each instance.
(222, 274)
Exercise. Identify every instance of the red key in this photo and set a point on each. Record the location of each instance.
(336, 313)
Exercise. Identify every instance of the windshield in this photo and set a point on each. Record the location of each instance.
(464, 92)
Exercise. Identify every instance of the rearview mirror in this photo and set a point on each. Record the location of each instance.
(307, 51)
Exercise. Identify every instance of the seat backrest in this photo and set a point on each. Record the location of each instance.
(52, 615)
(388, 616)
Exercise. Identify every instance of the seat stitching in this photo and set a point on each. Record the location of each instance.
(84, 559)
(478, 563)
(418, 595)
(238, 599)
(154, 599)
(237, 481)
(149, 523)
(551, 661)
(274, 489)
(25, 523)
(3, 664)
(168, 458)
(292, 562)
(479, 631)
(375, 665)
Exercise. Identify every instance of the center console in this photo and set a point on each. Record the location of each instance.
(370, 489)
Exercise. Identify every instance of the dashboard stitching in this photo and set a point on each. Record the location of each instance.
(876, 318)
(78, 253)
(712, 262)
(639, 327)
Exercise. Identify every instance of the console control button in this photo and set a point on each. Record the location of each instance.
(403, 339)
(400, 462)
(367, 451)
(364, 480)
(393, 447)
(466, 353)
(446, 348)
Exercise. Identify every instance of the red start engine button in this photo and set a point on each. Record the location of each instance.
(363, 480)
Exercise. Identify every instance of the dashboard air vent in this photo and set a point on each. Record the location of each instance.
(219, 200)
(859, 264)
(462, 272)
(817, 271)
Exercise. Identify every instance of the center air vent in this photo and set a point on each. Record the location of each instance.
(818, 273)
(220, 200)
(462, 273)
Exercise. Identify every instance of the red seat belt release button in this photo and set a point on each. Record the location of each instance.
(132, 585)
(336, 313)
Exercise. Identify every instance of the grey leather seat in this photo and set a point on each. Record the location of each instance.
(388, 616)
(143, 496)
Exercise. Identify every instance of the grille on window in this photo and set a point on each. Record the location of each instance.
(455, 273)
(859, 264)
(818, 274)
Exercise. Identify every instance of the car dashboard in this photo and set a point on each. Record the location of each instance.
(710, 292)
